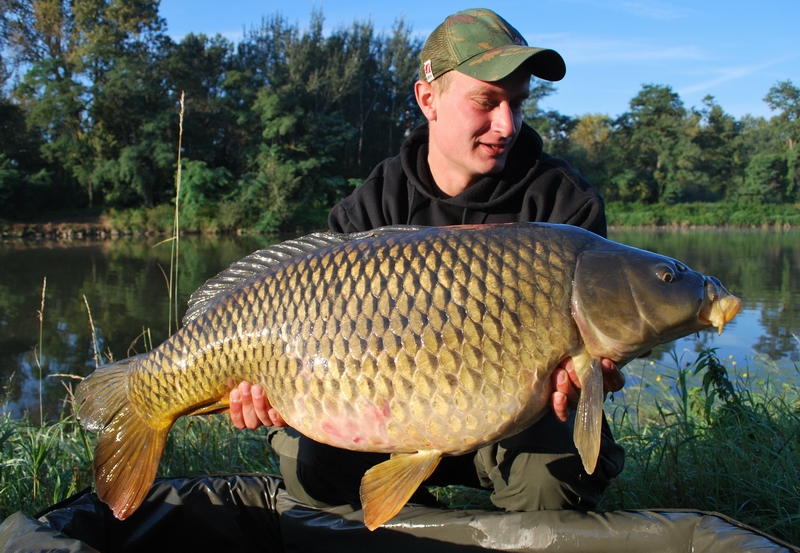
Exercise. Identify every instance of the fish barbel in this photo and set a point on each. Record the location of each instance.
(420, 342)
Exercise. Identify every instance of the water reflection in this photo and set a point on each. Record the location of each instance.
(123, 282)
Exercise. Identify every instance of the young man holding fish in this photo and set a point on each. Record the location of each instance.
(474, 162)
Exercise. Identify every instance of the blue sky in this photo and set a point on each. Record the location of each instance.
(732, 50)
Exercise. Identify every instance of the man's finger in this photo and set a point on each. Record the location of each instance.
(251, 419)
(236, 410)
(613, 378)
(265, 412)
(560, 406)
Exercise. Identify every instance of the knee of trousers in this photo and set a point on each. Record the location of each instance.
(540, 469)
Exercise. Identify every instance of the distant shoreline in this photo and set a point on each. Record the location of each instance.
(620, 216)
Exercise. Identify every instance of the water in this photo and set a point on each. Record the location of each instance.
(124, 285)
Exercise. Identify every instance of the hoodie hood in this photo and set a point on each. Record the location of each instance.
(487, 195)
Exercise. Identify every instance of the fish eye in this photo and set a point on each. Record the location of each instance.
(665, 273)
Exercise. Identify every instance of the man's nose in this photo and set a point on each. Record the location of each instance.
(503, 121)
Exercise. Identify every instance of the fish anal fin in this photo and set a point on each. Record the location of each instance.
(386, 487)
(589, 417)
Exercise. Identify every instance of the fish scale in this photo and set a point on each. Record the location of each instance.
(416, 342)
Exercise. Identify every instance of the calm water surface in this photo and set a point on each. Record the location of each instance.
(122, 281)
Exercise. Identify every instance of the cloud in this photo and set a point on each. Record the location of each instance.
(659, 11)
(653, 10)
(725, 74)
(583, 50)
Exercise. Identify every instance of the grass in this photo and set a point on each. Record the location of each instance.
(713, 443)
(42, 464)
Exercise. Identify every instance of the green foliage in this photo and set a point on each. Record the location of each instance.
(764, 179)
(41, 464)
(201, 189)
(156, 220)
(11, 181)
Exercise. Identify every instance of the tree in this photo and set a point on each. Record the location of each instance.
(90, 88)
(784, 97)
(197, 67)
(719, 163)
(589, 143)
(764, 180)
(653, 150)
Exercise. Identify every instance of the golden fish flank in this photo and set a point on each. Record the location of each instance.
(417, 342)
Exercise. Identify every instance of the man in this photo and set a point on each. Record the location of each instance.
(474, 161)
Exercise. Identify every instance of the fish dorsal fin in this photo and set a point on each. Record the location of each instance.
(263, 260)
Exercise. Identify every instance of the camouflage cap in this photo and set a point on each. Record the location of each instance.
(483, 45)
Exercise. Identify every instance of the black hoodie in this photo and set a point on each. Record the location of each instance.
(533, 186)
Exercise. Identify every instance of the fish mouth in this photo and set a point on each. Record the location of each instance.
(721, 306)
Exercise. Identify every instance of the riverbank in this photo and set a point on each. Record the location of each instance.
(60, 228)
(159, 221)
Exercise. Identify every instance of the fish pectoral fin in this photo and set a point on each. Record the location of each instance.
(386, 487)
(222, 405)
(589, 418)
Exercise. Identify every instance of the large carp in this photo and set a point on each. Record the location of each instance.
(420, 342)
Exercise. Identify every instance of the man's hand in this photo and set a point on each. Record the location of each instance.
(251, 409)
(567, 386)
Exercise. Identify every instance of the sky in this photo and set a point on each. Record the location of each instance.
(732, 50)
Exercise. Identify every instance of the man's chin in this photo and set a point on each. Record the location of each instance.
(496, 167)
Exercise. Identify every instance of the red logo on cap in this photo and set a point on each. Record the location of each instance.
(428, 71)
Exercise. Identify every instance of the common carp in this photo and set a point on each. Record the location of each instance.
(420, 342)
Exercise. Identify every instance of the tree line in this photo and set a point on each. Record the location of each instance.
(282, 124)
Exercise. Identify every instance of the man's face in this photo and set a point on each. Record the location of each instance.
(474, 126)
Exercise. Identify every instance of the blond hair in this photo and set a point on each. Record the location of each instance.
(442, 83)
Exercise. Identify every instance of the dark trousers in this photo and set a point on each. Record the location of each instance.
(536, 469)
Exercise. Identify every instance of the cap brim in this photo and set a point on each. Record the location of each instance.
(499, 63)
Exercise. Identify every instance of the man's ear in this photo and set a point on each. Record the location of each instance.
(426, 99)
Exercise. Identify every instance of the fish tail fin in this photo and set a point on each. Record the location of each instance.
(128, 449)
(386, 487)
(589, 418)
